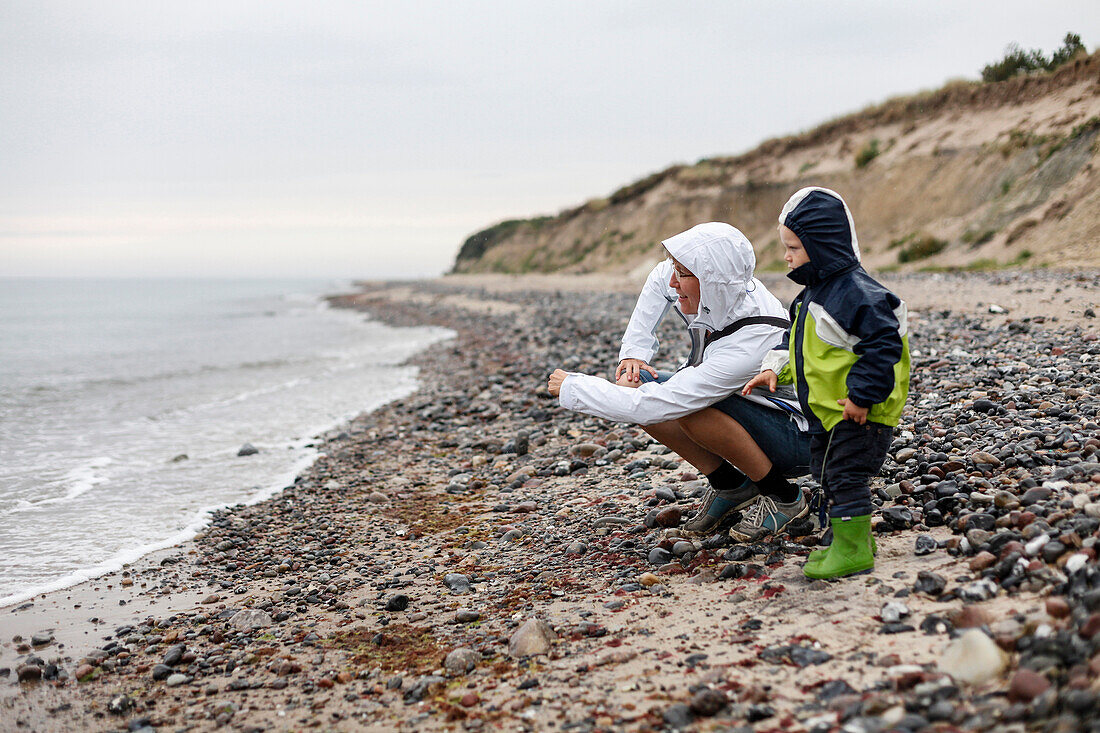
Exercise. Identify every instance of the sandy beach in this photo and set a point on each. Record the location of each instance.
(473, 557)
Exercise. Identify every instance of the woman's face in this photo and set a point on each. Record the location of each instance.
(686, 286)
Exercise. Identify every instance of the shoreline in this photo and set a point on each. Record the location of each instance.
(381, 515)
(264, 482)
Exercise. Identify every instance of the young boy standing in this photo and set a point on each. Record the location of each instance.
(847, 354)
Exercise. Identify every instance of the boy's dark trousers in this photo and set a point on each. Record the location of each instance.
(850, 454)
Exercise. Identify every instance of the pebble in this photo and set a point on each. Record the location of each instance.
(457, 582)
(174, 655)
(659, 556)
(669, 517)
(461, 660)
(466, 616)
(177, 679)
(611, 522)
(534, 637)
(969, 617)
(1027, 685)
(250, 618)
(708, 702)
(924, 545)
(397, 602)
(247, 450)
(1076, 562)
(682, 547)
(982, 560)
(1057, 607)
(978, 591)
(678, 716)
(28, 673)
(973, 658)
(929, 583)
(893, 612)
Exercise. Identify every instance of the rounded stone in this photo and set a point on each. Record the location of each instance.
(1026, 685)
(461, 660)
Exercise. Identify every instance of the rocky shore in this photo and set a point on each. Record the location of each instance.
(474, 558)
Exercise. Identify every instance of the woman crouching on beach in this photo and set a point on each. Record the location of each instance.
(746, 446)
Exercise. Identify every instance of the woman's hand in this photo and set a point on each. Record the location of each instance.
(553, 384)
(632, 369)
(766, 378)
(853, 412)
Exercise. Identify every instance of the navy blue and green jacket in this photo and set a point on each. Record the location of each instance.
(848, 333)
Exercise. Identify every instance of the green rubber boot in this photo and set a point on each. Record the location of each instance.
(817, 555)
(850, 552)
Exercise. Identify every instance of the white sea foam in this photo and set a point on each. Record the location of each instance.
(77, 482)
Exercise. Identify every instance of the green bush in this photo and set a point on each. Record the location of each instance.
(983, 265)
(1017, 61)
(895, 243)
(976, 238)
(920, 247)
(869, 152)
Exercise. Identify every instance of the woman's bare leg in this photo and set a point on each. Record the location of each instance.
(718, 434)
(671, 435)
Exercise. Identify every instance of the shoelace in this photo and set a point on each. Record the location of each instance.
(764, 506)
(704, 506)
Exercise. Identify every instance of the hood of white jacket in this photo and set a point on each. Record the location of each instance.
(722, 258)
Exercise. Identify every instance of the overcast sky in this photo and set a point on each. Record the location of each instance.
(369, 139)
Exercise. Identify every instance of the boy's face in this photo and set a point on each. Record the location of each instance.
(794, 253)
(686, 286)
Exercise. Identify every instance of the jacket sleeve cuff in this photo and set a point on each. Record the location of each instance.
(859, 401)
(633, 352)
(775, 360)
(566, 398)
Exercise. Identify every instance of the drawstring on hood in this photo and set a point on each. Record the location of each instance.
(824, 224)
(722, 258)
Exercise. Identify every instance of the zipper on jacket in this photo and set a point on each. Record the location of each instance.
(801, 387)
(696, 354)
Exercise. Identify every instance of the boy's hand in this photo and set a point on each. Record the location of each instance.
(632, 369)
(553, 384)
(766, 378)
(852, 411)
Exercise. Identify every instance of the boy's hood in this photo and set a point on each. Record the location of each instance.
(824, 223)
(723, 260)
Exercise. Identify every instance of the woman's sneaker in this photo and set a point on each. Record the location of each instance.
(768, 517)
(718, 506)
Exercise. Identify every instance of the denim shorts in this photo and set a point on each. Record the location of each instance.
(773, 431)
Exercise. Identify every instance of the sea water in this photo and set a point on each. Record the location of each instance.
(124, 403)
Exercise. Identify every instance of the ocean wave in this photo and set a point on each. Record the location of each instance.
(39, 393)
(196, 524)
(78, 482)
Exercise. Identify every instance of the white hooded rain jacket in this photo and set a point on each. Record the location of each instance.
(723, 260)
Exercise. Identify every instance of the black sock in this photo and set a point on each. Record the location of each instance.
(776, 485)
(725, 477)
